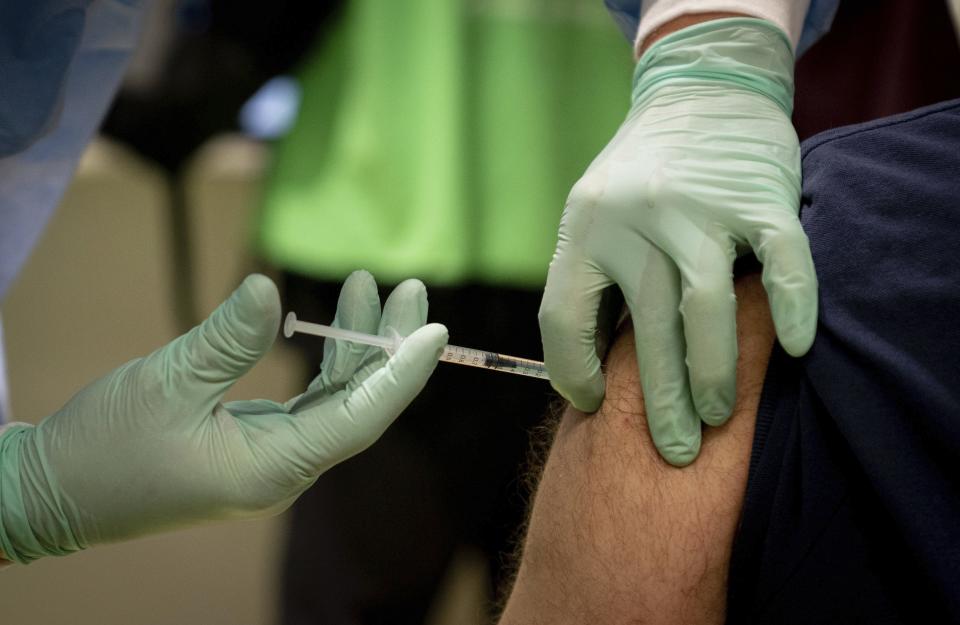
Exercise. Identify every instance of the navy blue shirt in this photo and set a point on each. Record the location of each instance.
(852, 511)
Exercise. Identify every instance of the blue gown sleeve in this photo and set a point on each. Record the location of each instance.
(817, 23)
(626, 13)
(62, 62)
(67, 57)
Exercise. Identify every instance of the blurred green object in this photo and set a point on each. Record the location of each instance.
(706, 166)
(438, 138)
(150, 446)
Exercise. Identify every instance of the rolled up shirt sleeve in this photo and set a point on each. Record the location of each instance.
(804, 21)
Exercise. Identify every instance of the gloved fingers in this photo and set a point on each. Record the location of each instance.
(709, 310)
(202, 364)
(791, 283)
(358, 309)
(568, 325)
(654, 302)
(334, 431)
(404, 311)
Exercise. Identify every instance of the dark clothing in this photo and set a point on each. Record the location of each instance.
(370, 542)
(852, 510)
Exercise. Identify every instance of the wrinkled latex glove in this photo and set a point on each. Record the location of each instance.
(706, 166)
(150, 446)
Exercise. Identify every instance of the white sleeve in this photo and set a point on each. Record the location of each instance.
(786, 14)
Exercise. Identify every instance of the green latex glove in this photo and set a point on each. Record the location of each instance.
(706, 166)
(150, 447)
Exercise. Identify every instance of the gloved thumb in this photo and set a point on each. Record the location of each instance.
(213, 355)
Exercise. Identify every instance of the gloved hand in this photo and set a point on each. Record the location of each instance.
(706, 166)
(150, 446)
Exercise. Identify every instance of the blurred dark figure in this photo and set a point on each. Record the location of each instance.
(213, 56)
(219, 53)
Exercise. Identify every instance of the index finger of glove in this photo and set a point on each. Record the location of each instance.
(404, 311)
(358, 309)
(568, 325)
(339, 429)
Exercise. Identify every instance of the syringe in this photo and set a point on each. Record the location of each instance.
(451, 353)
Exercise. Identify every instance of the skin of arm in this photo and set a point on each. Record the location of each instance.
(617, 535)
(680, 23)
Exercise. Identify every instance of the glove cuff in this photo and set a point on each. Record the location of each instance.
(30, 513)
(746, 52)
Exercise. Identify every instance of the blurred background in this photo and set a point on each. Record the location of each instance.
(424, 138)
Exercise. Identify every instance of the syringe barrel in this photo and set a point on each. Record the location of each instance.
(493, 360)
(451, 353)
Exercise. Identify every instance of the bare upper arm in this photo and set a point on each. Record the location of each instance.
(616, 534)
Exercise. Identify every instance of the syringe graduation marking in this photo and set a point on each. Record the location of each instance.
(451, 353)
(492, 360)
